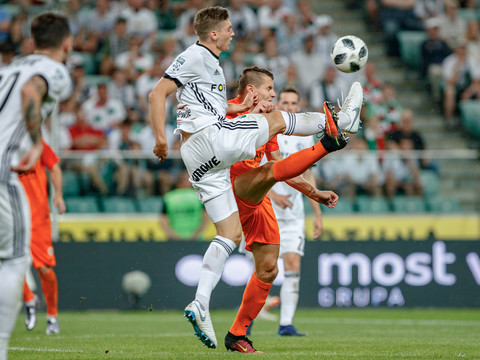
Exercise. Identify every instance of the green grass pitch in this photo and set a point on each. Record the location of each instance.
(366, 334)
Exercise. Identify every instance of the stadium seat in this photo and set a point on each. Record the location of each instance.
(408, 204)
(410, 43)
(470, 113)
(373, 205)
(430, 182)
(118, 205)
(440, 204)
(84, 204)
(152, 204)
(71, 185)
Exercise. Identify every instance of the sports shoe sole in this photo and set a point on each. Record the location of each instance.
(190, 315)
(330, 120)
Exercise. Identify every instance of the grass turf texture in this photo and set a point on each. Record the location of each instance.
(368, 334)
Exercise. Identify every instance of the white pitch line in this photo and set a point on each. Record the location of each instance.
(406, 322)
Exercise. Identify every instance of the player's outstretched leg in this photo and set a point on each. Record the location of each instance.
(200, 319)
(239, 343)
(351, 107)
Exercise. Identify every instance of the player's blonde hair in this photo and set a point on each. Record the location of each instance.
(209, 19)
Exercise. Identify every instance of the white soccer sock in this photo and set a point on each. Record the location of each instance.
(212, 266)
(310, 123)
(289, 297)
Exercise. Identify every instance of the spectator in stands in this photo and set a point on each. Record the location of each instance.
(307, 16)
(293, 81)
(452, 26)
(165, 12)
(406, 130)
(310, 65)
(141, 21)
(388, 108)
(374, 133)
(395, 16)
(86, 138)
(272, 60)
(402, 172)
(473, 40)
(183, 216)
(119, 88)
(362, 170)
(16, 34)
(270, 16)
(101, 19)
(289, 36)
(186, 35)
(186, 17)
(146, 82)
(244, 21)
(327, 89)
(81, 89)
(372, 89)
(461, 76)
(233, 67)
(115, 44)
(434, 51)
(426, 9)
(170, 49)
(102, 111)
(135, 61)
(324, 37)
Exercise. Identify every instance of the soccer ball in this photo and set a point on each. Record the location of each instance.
(349, 53)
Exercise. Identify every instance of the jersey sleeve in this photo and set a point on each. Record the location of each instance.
(48, 158)
(186, 68)
(272, 145)
(57, 78)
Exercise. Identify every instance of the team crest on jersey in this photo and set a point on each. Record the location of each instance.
(181, 60)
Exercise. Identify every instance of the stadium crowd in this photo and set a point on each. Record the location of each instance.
(122, 48)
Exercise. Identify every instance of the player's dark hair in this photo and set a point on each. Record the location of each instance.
(49, 29)
(252, 75)
(208, 19)
(288, 89)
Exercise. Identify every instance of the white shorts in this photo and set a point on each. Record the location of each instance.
(14, 221)
(221, 207)
(292, 236)
(209, 153)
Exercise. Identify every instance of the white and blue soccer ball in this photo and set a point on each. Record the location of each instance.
(349, 53)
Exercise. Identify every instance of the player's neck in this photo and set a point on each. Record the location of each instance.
(210, 46)
(54, 54)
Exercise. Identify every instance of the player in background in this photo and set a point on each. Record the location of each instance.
(250, 183)
(35, 184)
(288, 206)
(29, 88)
(211, 144)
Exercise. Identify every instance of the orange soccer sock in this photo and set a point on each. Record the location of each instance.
(28, 295)
(299, 162)
(50, 290)
(253, 300)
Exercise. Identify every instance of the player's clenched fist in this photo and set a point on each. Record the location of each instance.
(161, 151)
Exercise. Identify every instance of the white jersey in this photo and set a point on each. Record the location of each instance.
(289, 145)
(201, 94)
(12, 127)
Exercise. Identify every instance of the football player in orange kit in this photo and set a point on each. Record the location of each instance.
(36, 187)
(250, 183)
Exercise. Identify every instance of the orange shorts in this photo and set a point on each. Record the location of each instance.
(259, 223)
(41, 247)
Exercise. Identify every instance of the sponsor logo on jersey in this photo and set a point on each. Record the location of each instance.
(220, 87)
(202, 169)
(216, 72)
(184, 112)
(181, 60)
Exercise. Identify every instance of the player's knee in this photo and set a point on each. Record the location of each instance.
(268, 271)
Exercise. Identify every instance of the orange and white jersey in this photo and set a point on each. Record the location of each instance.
(12, 127)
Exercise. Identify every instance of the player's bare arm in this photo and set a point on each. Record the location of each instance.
(33, 92)
(157, 99)
(57, 181)
(250, 100)
(317, 220)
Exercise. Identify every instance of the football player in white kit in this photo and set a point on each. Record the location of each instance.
(288, 206)
(29, 89)
(211, 144)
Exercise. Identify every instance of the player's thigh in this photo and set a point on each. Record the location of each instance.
(254, 184)
(292, 236)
